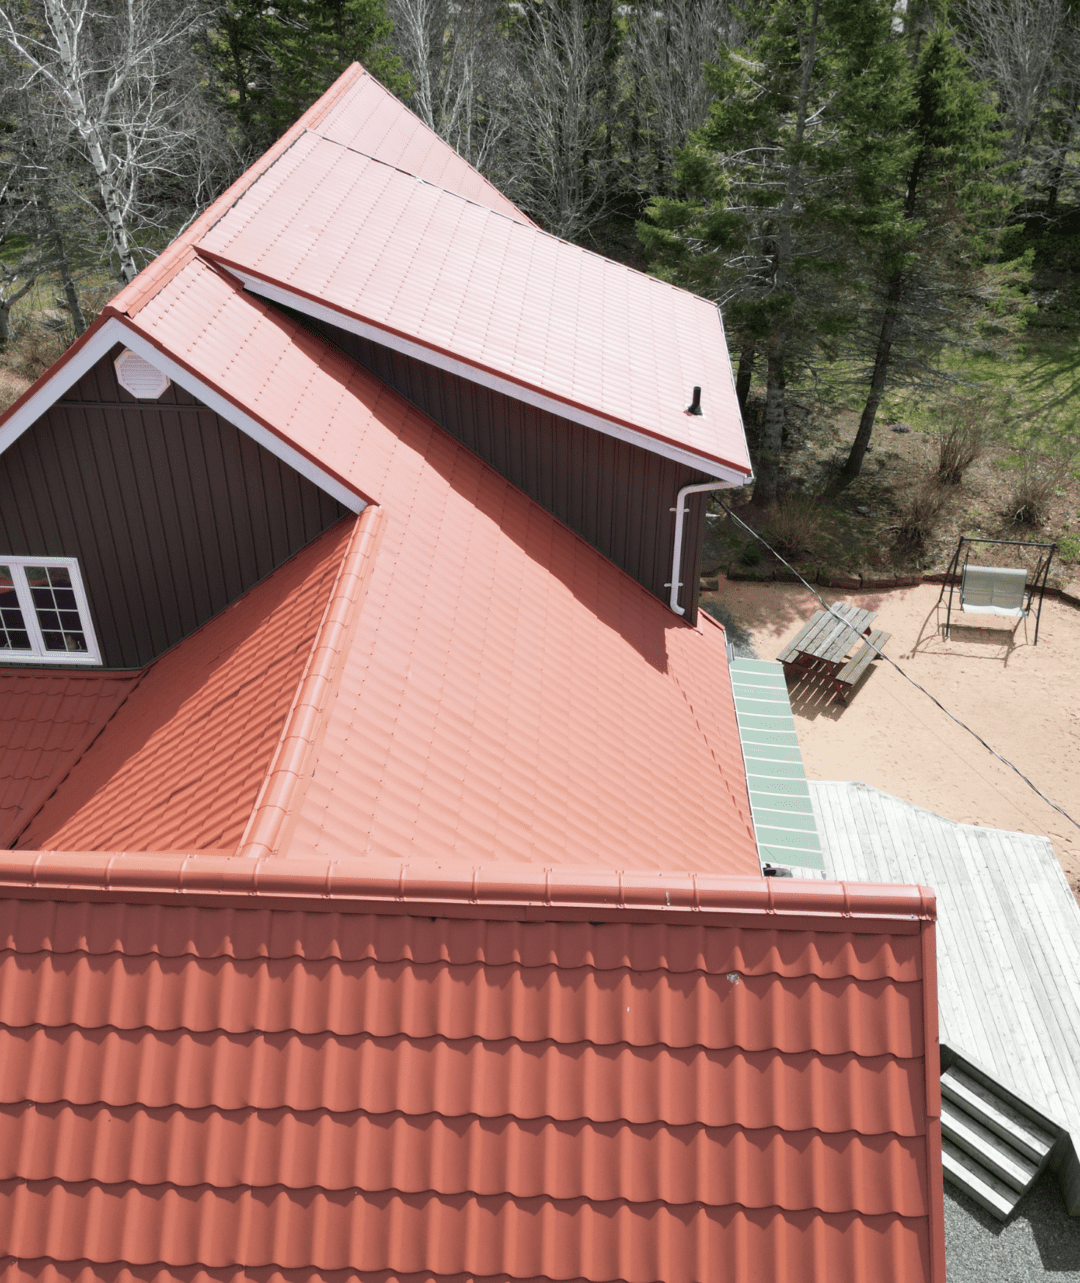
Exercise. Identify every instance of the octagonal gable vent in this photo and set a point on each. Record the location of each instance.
(143, 380)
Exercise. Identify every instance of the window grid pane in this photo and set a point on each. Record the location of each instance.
(13, 634)
(56, 608)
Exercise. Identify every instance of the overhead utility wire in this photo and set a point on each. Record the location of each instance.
(881, 655)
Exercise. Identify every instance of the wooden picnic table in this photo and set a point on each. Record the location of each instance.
(822, 646)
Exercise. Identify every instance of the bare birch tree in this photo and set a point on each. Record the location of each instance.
(561, 164)
(119, 76)
(668, 93)
(457, 57)
(1013, 44)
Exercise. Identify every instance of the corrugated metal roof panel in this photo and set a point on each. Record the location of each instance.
(423, 1000)
(539, 1158)
(639, 1243)
(779, 798)
(679, 1086)
(388, 1113)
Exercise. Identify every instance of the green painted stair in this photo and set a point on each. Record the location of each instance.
(779, 799)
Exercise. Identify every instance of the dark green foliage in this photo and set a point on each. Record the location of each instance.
(272, 62)
(790, 185)
(953, 201)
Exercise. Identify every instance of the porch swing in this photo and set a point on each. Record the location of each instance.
(996, 590)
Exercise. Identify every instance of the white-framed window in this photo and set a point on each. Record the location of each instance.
(44, 617)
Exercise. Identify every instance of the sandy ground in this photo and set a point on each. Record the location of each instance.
(1023, 699)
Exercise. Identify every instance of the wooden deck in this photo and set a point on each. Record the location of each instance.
(1008, 941)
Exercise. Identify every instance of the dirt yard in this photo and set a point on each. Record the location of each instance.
(1022, 699)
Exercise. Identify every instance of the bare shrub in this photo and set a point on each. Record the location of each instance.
(1033, 489)
(962, 437)
(793, 523)
(921, 510)
(35, 348)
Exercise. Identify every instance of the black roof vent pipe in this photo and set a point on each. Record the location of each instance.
(695, 405)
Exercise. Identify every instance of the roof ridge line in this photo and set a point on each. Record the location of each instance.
(427, 182)
(436, 135)
(134, 295)
(373, 880)
(307, 714)
(530, 225)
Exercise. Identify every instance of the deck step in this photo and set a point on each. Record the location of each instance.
(983, 1186)
(995, 1114)
(987, 1147)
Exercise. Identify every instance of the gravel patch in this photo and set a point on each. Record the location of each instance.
(1041, 1241)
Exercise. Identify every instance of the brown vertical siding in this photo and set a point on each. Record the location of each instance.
(618, 496)
(171, 511)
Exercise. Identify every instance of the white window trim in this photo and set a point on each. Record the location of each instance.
(39, 655)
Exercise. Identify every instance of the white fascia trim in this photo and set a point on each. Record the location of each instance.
(115, 331)
(407, 347)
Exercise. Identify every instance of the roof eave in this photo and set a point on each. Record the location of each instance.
(114, 327)
(729, 473)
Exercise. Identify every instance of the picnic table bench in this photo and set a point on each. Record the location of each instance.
(822, 646)
(844, 681)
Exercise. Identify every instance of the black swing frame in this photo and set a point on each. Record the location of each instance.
(1038, 579)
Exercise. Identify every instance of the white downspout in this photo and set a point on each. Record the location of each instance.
(680, 510)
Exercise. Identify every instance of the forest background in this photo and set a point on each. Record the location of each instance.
(883, 197)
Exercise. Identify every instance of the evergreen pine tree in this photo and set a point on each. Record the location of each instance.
(928, 261)
(272, 62)
(791, 180)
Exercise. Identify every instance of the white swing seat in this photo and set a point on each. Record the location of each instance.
(993, 590)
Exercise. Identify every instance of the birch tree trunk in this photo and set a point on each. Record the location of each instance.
(121, 81)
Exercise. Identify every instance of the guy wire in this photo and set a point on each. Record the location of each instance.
(881, 655)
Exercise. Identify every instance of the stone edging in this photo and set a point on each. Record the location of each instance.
(852, 581)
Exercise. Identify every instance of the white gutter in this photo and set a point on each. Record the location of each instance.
(680, 510)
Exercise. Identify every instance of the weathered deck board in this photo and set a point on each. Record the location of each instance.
(1008, 937)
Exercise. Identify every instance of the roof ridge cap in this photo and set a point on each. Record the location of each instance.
(371, 881)
(287, 772)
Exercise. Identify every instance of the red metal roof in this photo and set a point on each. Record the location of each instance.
(47, 721)
(462, 280)
(369, 119)
(509, 694)
(248, 1087)
(180, 764)
(511, 1005)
